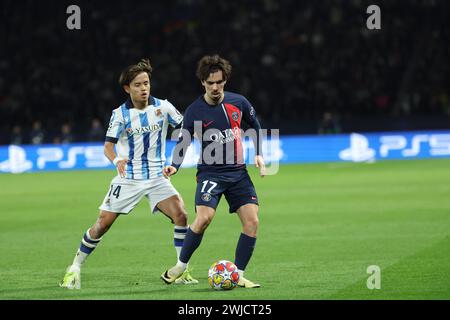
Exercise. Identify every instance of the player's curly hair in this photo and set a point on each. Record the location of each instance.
(132, 71)
(210, 64)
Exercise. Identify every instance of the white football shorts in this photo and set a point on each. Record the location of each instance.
(124, 194)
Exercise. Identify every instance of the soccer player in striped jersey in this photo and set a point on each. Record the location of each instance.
(216, 116)
(138, 129)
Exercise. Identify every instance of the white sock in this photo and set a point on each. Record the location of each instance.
(181, 265)
(179, 233)
(178, 250)
(87, 245)
(79, 259)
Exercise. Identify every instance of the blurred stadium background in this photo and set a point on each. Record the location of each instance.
(338, 92)
(295, 60)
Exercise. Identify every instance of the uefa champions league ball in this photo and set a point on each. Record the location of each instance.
(223, 275)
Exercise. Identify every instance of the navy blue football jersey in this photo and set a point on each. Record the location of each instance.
(219, 127)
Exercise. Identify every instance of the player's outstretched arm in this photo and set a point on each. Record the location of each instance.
(169, 171)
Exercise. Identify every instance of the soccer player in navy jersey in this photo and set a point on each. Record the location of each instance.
(138, 129)
(216, 117)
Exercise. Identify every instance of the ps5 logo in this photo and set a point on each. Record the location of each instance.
(407, 146)
(439, 144)
(22, 159)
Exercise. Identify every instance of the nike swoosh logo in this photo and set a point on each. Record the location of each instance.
(207, 124)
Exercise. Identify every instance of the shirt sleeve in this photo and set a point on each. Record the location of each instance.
(173, 115)
(184, 140)
(249, 116)
(115, 127)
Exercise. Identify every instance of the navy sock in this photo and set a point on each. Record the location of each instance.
(244, 251)
(191, 243)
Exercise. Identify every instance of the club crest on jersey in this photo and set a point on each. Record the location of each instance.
(206, 197)
(235, 116)
(158, 112)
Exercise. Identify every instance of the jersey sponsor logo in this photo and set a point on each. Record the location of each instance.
(207, 124)
(142, 130)
(206, 197)
(226, 136)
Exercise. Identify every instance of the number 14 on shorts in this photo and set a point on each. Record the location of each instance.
(116, 191)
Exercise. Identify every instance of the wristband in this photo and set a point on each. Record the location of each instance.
(116, 159)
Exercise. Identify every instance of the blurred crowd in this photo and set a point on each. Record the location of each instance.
(306, 66)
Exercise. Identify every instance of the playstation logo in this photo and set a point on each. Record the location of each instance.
(359, 150)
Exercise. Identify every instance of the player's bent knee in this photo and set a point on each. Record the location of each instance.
(203, 218)
(205, 222)
(201, 224)
(250, 227)
(177, 213)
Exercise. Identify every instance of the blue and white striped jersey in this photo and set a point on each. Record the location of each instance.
(141, 136)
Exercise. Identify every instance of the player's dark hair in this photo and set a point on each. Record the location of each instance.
(210, 64)
(132, 71)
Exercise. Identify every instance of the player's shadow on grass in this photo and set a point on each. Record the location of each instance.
(211, 290)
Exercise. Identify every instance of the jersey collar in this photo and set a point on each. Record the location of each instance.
(129, 104)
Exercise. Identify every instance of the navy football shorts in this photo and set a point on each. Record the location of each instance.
(237, 192)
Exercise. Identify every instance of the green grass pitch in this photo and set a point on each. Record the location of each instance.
(321, 226)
